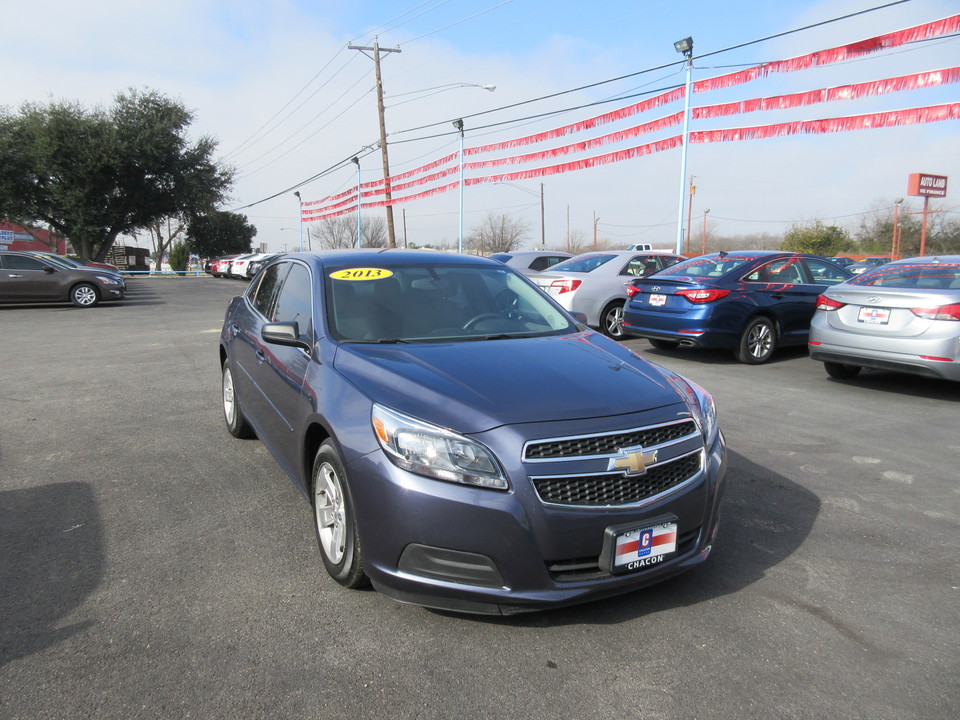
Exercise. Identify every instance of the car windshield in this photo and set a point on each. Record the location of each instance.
(935, 276)
(59, 260)
(584, 263)
(427, 303)
(708, 265)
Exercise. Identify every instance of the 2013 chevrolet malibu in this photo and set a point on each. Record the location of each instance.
(464, 442)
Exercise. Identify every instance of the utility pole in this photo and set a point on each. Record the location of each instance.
(376, 50)
(693, 191)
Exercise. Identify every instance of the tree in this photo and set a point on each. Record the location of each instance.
(816, 239)
(497, 234)
(92, 175)
(220, 233)
(179, 256)
(341, 232)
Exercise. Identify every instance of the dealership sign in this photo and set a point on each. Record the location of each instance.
(923, 185)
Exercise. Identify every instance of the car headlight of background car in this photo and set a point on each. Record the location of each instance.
(435, 452)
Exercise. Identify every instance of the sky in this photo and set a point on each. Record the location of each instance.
(275, 84)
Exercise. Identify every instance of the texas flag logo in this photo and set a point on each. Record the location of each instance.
(659, 540)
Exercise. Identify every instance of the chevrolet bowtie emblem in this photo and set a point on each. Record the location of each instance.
(632, 462)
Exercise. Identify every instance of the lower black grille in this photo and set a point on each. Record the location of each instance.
(581, 569)
(616, 488)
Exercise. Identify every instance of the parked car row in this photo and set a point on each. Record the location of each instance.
(240, 266)
(30, 276)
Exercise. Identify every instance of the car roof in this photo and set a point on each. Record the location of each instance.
(389, 257)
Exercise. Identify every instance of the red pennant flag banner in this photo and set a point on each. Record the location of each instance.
(844, 92)
(895, 118)
(346, 202)
(937, 28)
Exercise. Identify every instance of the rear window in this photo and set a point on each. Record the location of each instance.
(586, 263)
(708, 265)
(927, 275)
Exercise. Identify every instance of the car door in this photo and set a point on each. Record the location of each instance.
(280, 369)
(28, 278)
(779, 288)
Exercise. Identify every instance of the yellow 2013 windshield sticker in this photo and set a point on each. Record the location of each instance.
(361, 274)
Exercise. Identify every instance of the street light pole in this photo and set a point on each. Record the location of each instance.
(895, 249)
(703, 248)
(356, 161)
(458, 124)
(300, 216)
(685, 47)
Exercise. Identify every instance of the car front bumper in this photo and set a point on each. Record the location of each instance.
(466, 549)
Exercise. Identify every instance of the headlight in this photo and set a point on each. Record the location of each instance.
(106, 280)
(701, 406)
(435, 452)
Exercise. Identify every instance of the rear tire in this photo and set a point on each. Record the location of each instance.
(758, 342)
(334, 519)
(611, 320)
(841, 371)
(237, 424)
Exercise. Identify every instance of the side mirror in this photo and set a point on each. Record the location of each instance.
(284, 333)
(49, 270)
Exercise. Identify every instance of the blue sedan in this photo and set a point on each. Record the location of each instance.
(463, 441)
(749, 301)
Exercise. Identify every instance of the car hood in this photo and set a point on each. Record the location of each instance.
(476, 386)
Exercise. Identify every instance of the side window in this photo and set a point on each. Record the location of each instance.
(824, 273)
(266, 290)
(22, 262)
(636, 266)
(785, 271)
(295, 301)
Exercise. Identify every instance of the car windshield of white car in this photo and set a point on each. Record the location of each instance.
(431, 303)
(921, 275)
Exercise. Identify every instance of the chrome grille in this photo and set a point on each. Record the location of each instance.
(617, 488)
(593, 445)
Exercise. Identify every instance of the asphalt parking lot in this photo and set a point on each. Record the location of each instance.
(151, 566)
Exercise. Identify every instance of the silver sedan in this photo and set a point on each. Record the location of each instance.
(596, 283)
(903, 316)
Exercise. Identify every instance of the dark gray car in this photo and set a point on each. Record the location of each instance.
(33, 277)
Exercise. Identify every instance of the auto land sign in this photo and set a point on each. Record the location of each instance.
(923, 185)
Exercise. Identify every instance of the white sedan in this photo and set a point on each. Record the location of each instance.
(595, 283)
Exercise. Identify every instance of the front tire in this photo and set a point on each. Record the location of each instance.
(841, 371)
(237, 424)
(611, 321)
(758, 342)
(84, 295)
(334, 519)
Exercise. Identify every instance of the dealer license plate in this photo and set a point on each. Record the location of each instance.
(874, 316)
(631, 549)
(658, 300)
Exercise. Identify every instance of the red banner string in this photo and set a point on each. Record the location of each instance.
(932, 78)
(944, 26)
(895, 118)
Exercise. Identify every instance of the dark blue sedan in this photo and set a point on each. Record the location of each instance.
(748, 301)
(464, 442)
